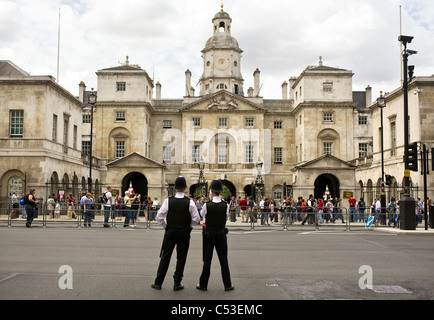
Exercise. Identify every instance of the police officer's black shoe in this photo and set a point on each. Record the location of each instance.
(198, 287)
(177, 287)
(229, 288)
(156, 286)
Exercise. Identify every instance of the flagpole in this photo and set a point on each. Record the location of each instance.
(58, 49)
(400, 45)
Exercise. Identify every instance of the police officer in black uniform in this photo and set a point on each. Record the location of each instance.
(215, 214)
(181, 215)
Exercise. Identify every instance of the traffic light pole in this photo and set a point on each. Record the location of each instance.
(406, 204)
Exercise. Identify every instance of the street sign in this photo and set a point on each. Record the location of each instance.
(369, 222)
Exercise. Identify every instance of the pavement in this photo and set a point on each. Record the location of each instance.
(238, 224)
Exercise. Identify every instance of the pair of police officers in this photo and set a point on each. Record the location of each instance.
(178, 215)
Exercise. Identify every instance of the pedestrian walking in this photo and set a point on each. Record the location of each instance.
(30, 203)
(214, 235)
(177, 215)
(87, 210)
(106, 201)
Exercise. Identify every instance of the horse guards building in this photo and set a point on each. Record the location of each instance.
(321, 135)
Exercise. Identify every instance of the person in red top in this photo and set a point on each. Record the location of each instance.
(320, 210)
(243, 208)
(353, 211)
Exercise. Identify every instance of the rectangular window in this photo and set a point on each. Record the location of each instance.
(195, 153)
(120, 115)
(167, 154)
(328, 117)
(393, 133)
(16, 123)
(363, 120)
(196, 122)
(223, 122)
(328, 87)
(167, 124)
(120, 149)
(278, 155)
(250, 153)
(65, 132)
(85, 147)
(74, 137)
(54, 129)
(86, 118)
(121, 86)
(250, 122)
(328, 148)
(363, 150)
(223, 155)
(277, 124)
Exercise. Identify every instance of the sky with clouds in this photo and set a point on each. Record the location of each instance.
(165, 37)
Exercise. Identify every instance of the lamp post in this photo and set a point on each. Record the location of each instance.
(381, 103)
(92, 102)
(201, 181)
(406, 204)
(259, 181)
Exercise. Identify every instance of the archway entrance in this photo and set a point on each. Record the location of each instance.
(321, 184)
(248, 190)
(138, 182)
(231, 188)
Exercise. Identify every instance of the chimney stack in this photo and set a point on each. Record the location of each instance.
(285, 90)
(158, 90)
(292, 80)
(368, 96)
(81, 90)
(256, 78)
(187, 83)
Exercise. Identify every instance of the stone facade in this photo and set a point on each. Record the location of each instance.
(319, 134)
(40, 135)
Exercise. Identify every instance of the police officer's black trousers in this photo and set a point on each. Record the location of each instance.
(179, 237)
(218, 240)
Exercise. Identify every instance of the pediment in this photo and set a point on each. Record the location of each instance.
(135, 160)
(222, 101)
(327, 162)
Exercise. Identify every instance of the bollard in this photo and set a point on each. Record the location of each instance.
(431, 216)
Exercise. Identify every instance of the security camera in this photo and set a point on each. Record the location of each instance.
(405, 39)
(410, 52)
(418, 91)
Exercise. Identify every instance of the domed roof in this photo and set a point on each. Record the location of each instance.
(222, 15)
(222, 41)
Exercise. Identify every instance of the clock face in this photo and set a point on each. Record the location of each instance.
(222, 63)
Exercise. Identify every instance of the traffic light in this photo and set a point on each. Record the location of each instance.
(412, 156)
(388, 180)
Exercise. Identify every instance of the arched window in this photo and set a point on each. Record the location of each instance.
(222, 86)
(15, 184)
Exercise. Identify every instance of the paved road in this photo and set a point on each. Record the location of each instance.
(120, 263)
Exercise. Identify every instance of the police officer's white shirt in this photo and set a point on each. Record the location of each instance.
(162, 213)
(215, 200)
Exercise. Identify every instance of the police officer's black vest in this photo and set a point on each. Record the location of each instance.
(178, 215)
(216, 215)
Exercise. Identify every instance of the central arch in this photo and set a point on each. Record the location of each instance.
(138, 182)
(231, 187)
(321, 184)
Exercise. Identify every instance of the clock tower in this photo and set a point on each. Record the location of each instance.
(221, 59)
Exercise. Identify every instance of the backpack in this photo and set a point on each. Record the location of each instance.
(103, 198)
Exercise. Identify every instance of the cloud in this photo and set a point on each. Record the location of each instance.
(166, 37)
